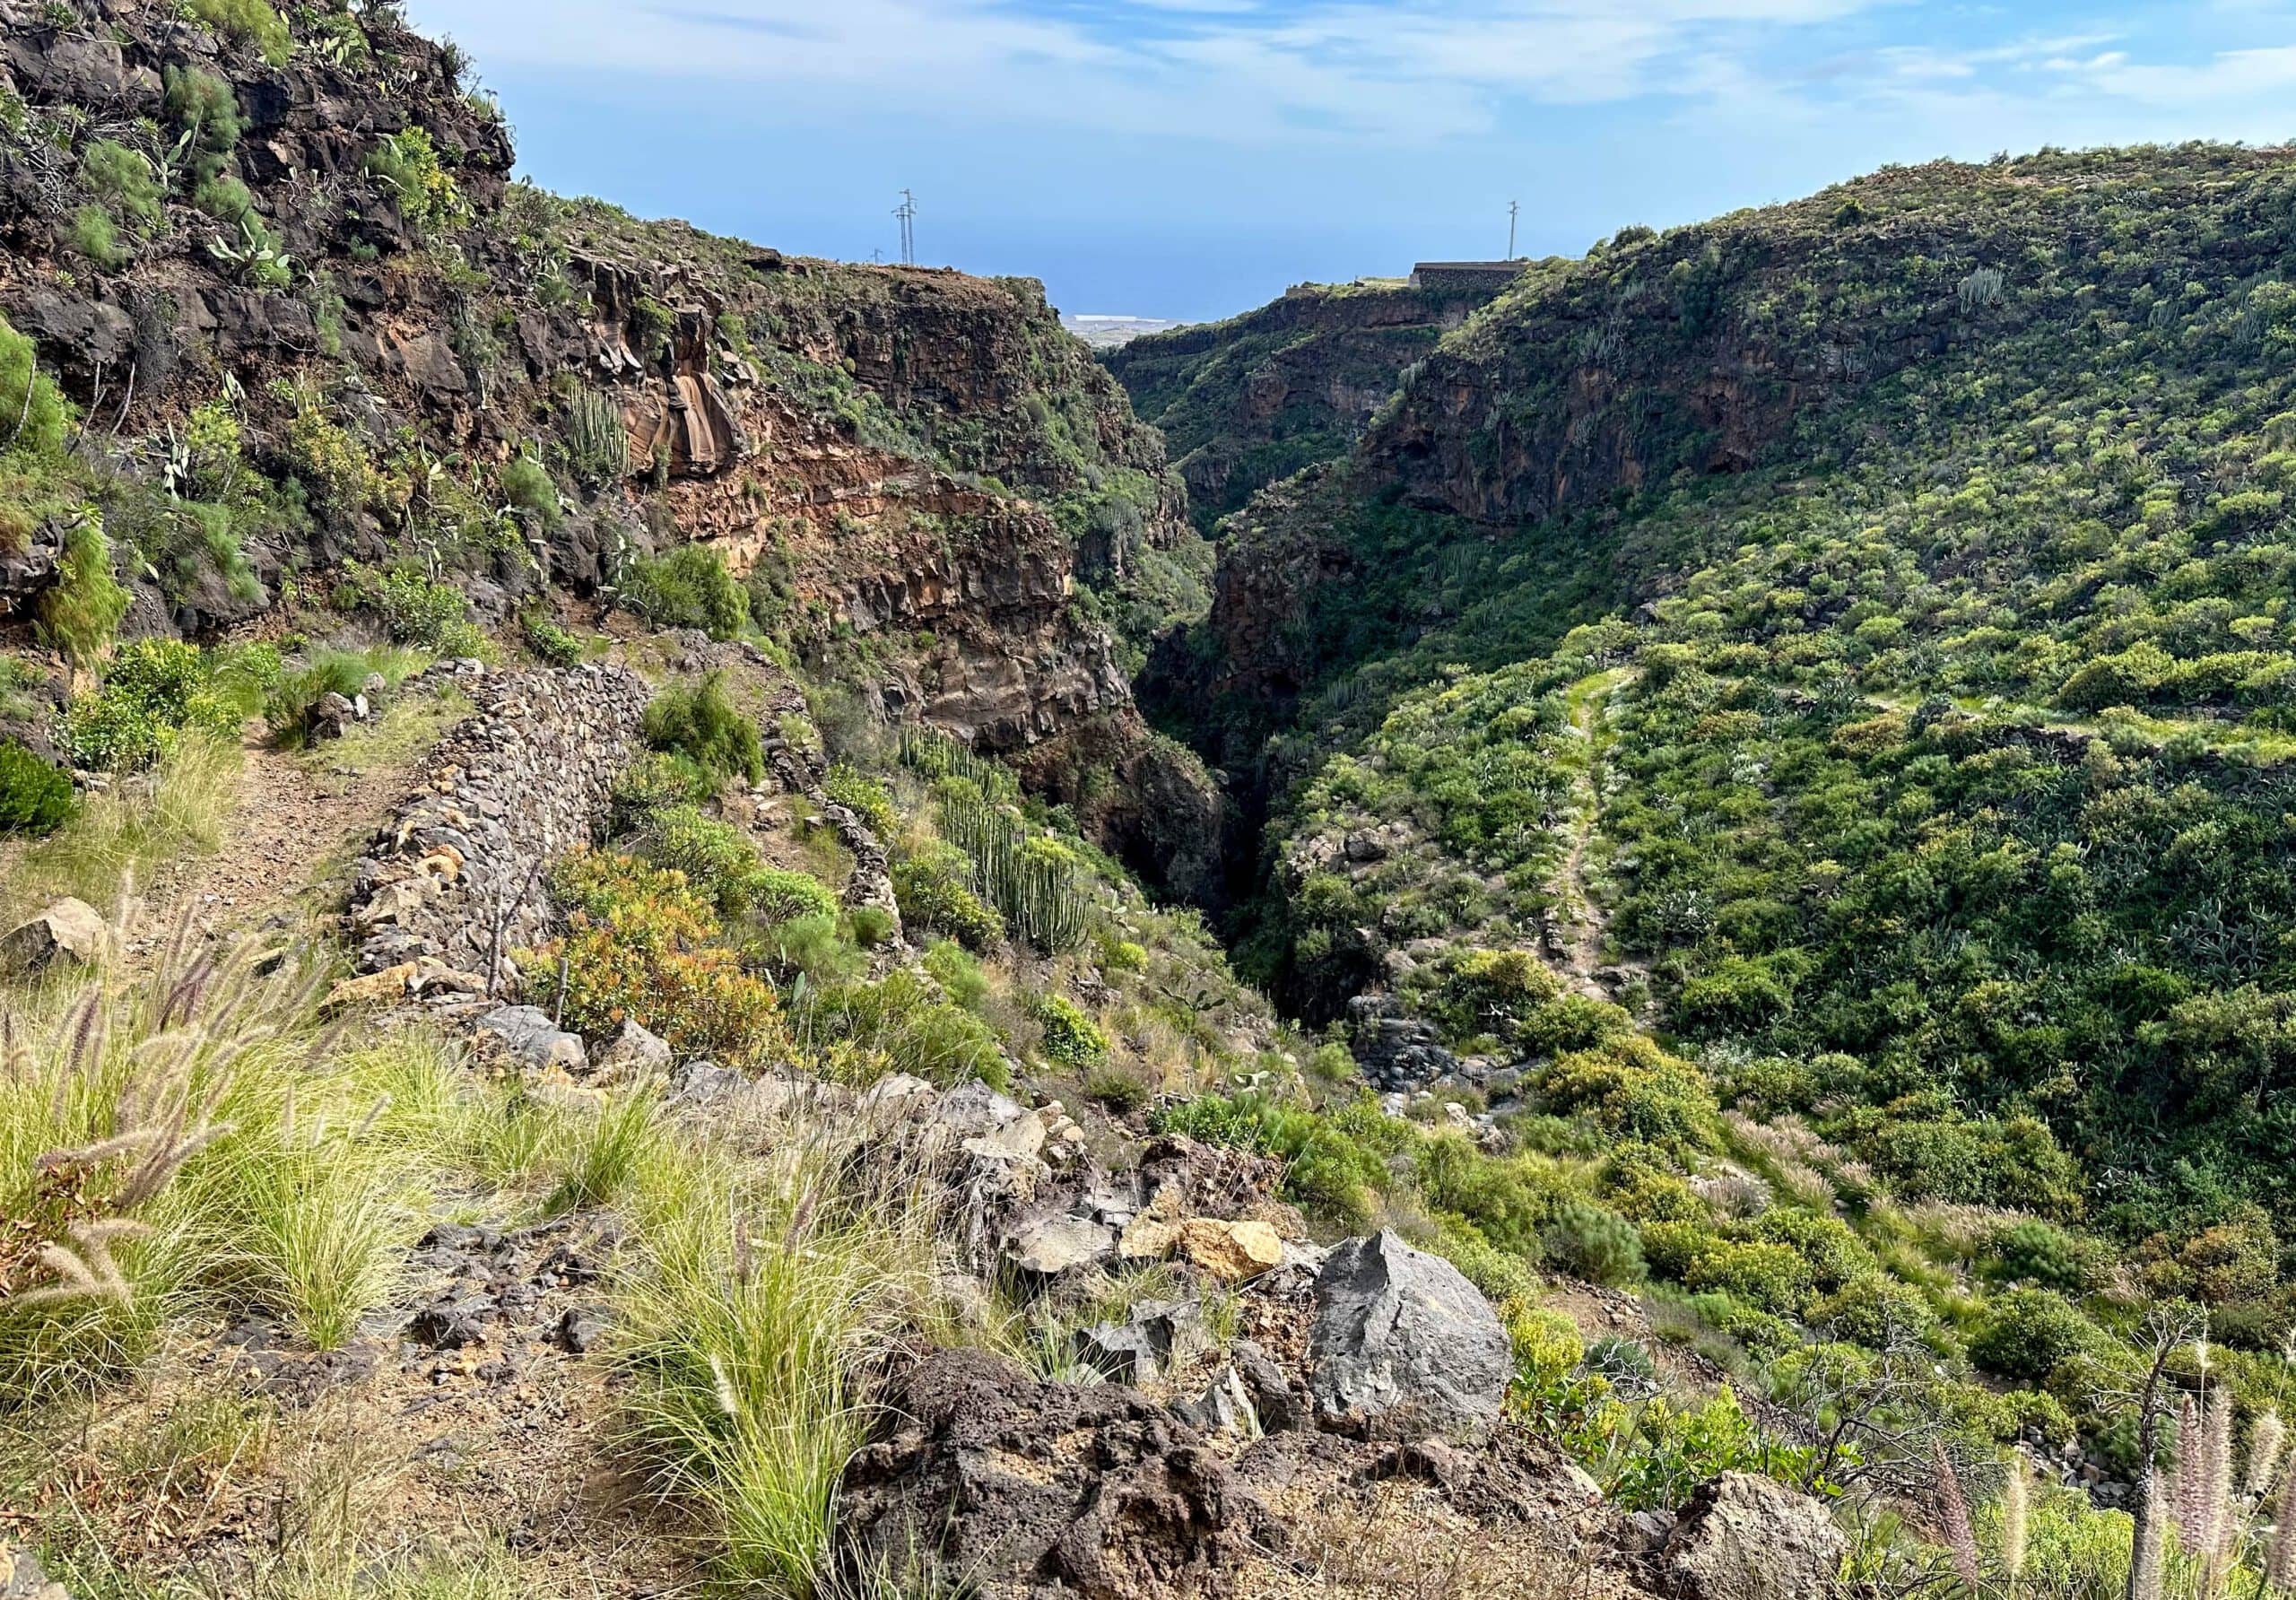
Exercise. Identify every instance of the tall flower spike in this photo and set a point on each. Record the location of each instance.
(2280, 1561)
(2216, 1526)
(2189, 1456)
(1954, 1509)
(2146, 1562)
(2013, 1519)
(2264, 1444)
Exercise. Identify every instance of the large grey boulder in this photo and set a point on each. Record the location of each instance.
(1402, 1335)
(1746, 1537)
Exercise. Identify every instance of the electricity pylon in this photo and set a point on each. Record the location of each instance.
(907, 211)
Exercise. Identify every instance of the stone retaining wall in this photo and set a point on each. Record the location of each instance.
(457, 875)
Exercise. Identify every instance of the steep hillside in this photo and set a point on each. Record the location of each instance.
(1835, 660)
(914, 468)
(1245, 402)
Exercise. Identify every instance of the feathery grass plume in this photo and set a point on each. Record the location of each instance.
(2148, 1560)
(2191, 1495)
(2265, 1443)
(1954, 1509)
(2280, 1559)
(2217, 1525)
(181, 1152)
(2013, 1518)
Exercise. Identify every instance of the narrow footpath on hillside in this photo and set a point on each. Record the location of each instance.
(1579, 927)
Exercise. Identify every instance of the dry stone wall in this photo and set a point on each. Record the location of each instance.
(456, 877)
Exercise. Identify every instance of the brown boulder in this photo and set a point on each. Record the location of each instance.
(68, 930)
(1009, 1486)
(1744, 1537)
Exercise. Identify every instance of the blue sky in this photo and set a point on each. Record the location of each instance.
(1191, 157)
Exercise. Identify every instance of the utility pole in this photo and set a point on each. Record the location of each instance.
(1513, 208)
(907, 211)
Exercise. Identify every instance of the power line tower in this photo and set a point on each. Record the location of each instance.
(1513, 208)
(907, 211)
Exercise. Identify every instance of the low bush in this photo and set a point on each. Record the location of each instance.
(414, 610)
(689, 587)
(295, 695)
(35, 798)
(642, 948)
(527, 485)
(2029, 1333)
(702, 725)
(80, 613)
(156, 692)
(1597, 1244)
(934, 889)
(653, 784)
(958, 972)
(549, 643)
(95, 239)
(250, 22)
(866, 1030)
(1071, 1039)
(124, 180)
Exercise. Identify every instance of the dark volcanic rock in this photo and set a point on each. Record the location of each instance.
(1401, 1339)
(1047, 1491)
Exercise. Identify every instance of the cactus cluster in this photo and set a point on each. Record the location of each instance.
(1033, 881)
(596, 448)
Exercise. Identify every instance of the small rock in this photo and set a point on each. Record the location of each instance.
(1159, 1335)
(1226, 1407)
(1746, 1537)
(581, 1328)
(1063, 1245)
(631, 1053)
(1277, 1403)
(534, 1040)
(702, 1083)
(69, 929)
(1020, 1140)
(1231, 1251)
(450, 1325)
(22, 1578)
(902, 1091)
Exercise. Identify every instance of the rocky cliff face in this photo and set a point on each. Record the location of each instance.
(1657, 360)
(921, 469)
(1245, 402)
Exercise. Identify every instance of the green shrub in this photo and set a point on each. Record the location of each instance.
(958, 972)
(1874, 1310)
(653, 784)
(933, 888)
(1121, 1091)
(1071, 1038)
(2029, 1333)
(689, 587)
(551, 644)
(527, 485)
(1597, 1244)
(295, 694)
(900, 1025)
(406, 164)
(34, 410)
(1772, 1277)
(205, 107)
(123, 180)
(224, 198)
(866, 799)
(702, 723)
(157, 690)
(2032, 1251)
(35, 798)
(414, 610)
(872, 925)
(250, 22)
(78, 613)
